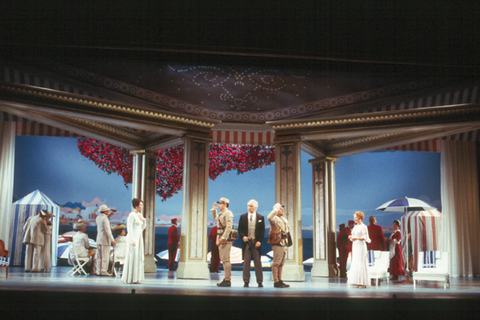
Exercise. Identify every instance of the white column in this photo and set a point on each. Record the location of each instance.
(288, 193)
(324, 237)
(7, 164)
(144, 187)
(193, 240)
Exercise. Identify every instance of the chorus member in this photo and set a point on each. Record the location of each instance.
(358, 273)
(224, 227)
(46, 259)
(173, 240)
(251, 228)
(104, 241)
(81, 244)
(120, 247)
(396, 253)
(278, 225)
(35, 229)
(343, 246)
(215, 255)
(376, 235)
(134, 267)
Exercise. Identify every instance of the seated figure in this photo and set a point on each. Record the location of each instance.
(82, 244)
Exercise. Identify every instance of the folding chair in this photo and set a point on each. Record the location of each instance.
(78, 263)
(4, 257)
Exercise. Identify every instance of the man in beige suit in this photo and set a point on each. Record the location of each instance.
(224, 226)
(104, 240)
(35, 229)
(278, 224)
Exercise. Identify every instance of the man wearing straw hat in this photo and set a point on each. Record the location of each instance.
(81, 244)
(35, 229)
(104, 241)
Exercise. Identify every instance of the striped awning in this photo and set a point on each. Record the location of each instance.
(264, 138)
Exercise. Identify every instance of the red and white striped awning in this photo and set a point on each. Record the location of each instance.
(264, 138)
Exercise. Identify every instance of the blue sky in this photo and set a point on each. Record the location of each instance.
(363, 182)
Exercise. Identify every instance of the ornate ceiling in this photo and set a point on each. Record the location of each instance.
(148, 95)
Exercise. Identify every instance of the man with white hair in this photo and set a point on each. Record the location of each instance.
(224, 227)
(104, 241)
(251, 228)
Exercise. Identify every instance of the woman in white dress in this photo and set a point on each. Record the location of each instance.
(358, 274)
(133, 269)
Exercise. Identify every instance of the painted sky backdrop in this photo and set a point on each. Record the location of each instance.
(363, 182)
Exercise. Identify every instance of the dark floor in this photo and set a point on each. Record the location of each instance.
(56, 295)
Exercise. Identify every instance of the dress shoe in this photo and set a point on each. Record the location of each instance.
(260, 285)
(278, 285)
(224, 283)
(284, 284)
(106, 274)
(245, 285)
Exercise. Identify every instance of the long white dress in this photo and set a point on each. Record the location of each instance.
(134, 268)
(358, 273)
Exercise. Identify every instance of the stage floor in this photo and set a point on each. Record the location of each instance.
(163, 292)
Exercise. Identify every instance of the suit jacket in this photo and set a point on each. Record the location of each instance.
(172, 235)
(104, 232)
(259, 229)
(378, 239)
(35, 229)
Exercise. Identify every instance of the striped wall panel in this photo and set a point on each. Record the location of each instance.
(21, 77)
(465, 95)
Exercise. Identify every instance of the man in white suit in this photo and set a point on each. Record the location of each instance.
(35, 229)
(104, 240)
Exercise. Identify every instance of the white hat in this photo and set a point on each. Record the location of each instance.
(103, 208)
(79, 224)
(222, 199)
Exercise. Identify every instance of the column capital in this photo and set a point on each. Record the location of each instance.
(323, 159)
(287, 139)
(197, 136)
(148, 153)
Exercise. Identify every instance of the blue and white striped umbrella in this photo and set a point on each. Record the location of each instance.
(405, 204)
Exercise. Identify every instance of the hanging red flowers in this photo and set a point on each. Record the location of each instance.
(222, 158)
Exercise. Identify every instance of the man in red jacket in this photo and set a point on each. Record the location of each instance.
(215, 258)
(343, 245)
(172, 244)
(376, 235)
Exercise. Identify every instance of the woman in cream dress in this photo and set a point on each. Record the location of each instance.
(133, 269)
(358, 273)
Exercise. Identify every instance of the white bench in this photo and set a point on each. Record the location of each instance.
(439, 273)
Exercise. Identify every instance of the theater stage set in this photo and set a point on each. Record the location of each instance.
(162, 294)
(330, 80)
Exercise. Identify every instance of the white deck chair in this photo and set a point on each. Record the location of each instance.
(438, 273)
(78, 263)
(380, 269)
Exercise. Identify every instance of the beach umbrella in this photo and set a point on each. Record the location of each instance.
(405, 204)
(164, 255)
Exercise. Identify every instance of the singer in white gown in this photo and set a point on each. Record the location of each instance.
(358, 273)
(134, 268)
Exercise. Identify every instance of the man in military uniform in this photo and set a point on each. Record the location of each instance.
(278, 225)
(224, 227)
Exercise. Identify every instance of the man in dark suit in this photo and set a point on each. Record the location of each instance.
(172, 244)
(251, 228)
(376, 235)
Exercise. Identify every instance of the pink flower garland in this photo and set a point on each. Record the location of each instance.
(222, 157)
